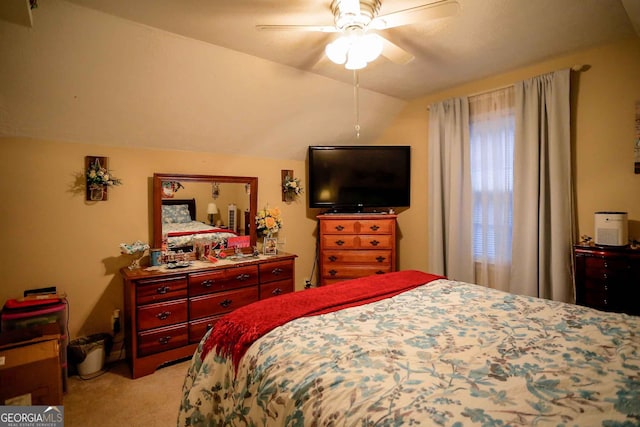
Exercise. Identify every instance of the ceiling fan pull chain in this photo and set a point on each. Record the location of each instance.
(356, 97)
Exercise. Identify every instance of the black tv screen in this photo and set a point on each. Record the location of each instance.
(353, 178)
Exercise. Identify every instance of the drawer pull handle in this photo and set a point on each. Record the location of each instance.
(339, 242)
(379, 272)
(226, 303)
(164, 340)
(276, 291)
(207, 283)
(163, 289)
(333, 258)
(339, 227)
(380, 259)
(276, 271)
(163, 315)
(374, 228)
(243, 277)
(333, 272)
(375, 243)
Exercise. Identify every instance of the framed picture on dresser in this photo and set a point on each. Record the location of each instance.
(270, 246)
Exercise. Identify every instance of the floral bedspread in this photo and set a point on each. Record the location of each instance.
(198, 230)
(444, 354)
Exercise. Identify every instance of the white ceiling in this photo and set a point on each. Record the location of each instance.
(198, 75)
(485, 38)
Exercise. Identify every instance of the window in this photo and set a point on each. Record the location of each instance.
(491, 133)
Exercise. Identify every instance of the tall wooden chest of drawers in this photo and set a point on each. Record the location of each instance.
(608, 278)
(167, 312)
(356, 245)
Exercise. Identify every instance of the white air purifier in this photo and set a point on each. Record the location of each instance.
(611, 228)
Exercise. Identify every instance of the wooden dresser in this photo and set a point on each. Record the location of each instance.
(608, 278)
(167, 312)
(356, 245)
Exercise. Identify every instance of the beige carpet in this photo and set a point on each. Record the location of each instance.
(114, 399)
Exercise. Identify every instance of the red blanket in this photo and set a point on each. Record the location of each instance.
(234, 333)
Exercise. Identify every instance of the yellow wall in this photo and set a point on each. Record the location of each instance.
(51, 236)
(603, 104)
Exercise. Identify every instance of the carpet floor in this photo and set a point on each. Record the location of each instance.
(114, 399)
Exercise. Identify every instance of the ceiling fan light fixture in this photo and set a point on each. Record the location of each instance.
(337, 50)
(354, 50)
(354, 62)
(369, 46)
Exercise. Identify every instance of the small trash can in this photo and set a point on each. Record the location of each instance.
(88, 353)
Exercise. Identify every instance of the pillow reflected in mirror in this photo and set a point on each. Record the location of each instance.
(175, 214)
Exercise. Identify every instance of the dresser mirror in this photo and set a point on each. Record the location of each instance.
(189, 207)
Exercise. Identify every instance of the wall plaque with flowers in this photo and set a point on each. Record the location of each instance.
(99, 178)
(290, 186)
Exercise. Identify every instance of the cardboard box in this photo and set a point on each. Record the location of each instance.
(30, 372)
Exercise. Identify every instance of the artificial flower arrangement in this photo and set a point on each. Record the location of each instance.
(291, 186)
(98, 176)
(268, 221)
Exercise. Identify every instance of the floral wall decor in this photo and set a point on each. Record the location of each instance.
(169, 188)
(290, 186)
(99, 178)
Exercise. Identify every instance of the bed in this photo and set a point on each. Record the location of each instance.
(183, 231)
(421, 350)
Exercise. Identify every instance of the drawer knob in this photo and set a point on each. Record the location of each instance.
(339, 242)
(163, 289)
(339, 227)
(164, 340)
(375, 243)
(333, 272)
(243, 277)
(163, 315)
(276, 271)
(226, 303)
(276, 291)
(207, 283)
(333, 258)
(374, 228)
(380, 259)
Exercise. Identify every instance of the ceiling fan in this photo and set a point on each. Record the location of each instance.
(358, 23)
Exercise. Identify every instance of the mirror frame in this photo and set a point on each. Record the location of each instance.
(158, 178)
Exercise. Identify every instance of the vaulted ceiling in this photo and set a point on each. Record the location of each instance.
(199, 75)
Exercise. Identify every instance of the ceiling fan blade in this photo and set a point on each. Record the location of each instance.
(395, 53)
(426, 12)
(308, 28)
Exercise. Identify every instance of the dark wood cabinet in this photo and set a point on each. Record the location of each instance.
(167, 312)
(356, 245)
(608, 278)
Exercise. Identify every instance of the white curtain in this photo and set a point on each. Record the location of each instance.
(449, 222)
(491, 131)
(543, 227)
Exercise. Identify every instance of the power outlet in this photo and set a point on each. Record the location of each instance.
(307, 283)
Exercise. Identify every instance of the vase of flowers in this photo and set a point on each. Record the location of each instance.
(290, 188)
(98, 180)
(268, 221)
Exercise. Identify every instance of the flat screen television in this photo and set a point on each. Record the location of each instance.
(359, 178)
